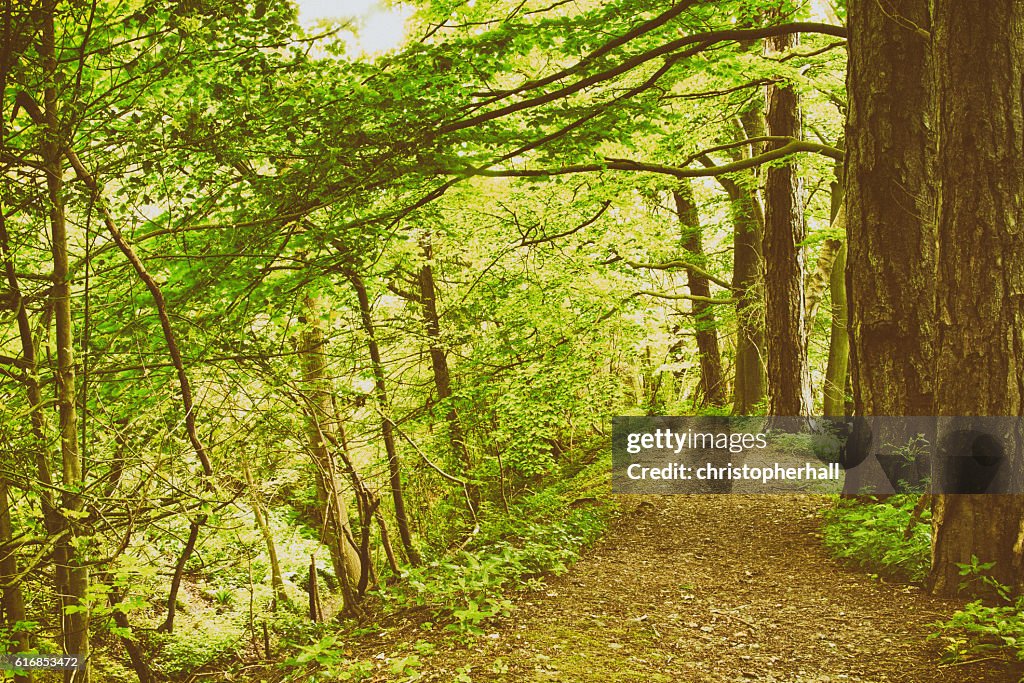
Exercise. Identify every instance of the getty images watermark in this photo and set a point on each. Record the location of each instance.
(880, 455)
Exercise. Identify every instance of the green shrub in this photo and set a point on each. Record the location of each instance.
(469, 587)
(979, 628)
(872, 535)
(193, 646)
(328, 654)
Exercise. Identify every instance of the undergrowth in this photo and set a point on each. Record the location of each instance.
(469, 587)
(875, 537)
(983, 629)
(457, 594)
(881, 537)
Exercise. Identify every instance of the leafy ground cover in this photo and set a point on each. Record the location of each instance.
(886, 539)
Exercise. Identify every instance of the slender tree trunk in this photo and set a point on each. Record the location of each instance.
(839, 341)
(52, 520)
(837, 370)
(891, 257)
(319, 409)
(712, 382)
(72, 573)
(13, 600)
(818, 281)
(316, 613)
(51, 517)
(978, 48)
(136, 653)
(747, 217)
(788, 374)
(387, 428)
(61, 148)
(368, 505)
(259, 512)
(439, 364)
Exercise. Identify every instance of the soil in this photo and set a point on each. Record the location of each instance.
(718, 589)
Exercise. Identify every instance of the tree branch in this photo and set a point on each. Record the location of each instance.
(550, 238)
(686, 297)
(675, 264)
(640, 30)
(703, 40)
(793, 147)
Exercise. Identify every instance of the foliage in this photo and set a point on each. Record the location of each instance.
(256, 171)
(873, 536)
(210, 641)
(328, 656)
(467, 589)
(981, 628)
(472, 586)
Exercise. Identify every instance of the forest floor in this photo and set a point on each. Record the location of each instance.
(716, 588)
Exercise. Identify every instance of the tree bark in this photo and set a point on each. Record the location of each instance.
(978, 48)
(368, 504)
(387, 428)
(788, 373)
(891, 257)
(259, 513)
(136, 653)
(837, 370)
(712, 382)
(315, 610)
(818, 281)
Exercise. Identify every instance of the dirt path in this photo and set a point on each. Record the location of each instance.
(718, 588)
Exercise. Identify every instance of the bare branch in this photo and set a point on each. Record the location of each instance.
(679, 264)
(686, 297)
(793, 147)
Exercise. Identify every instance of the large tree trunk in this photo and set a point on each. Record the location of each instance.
(712, 381)
(333, 511)
(387, 428)
(890, 274)
(788, 374)
(978, 48)
(439, 364)
(891, 257)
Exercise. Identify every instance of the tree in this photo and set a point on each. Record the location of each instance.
(72, 571)
(891, 239)
(387, 425)
(788, 379)
(439, 363)
(978, 49)
(332, 510)
(891, 259)
(747, 215)
(712, 380)
(13, 600)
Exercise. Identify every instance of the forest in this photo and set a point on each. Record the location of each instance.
(309, 353)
